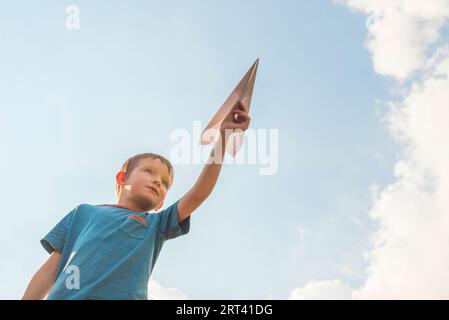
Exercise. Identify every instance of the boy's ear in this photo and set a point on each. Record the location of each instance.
(120, 177)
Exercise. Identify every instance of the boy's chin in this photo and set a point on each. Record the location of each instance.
(146, 203)
(151, 204)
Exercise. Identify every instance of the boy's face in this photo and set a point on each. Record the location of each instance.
(147, 184)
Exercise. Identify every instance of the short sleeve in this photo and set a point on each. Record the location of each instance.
(55, 239)
(169, 227)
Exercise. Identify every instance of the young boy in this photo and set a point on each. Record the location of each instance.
(108, 251)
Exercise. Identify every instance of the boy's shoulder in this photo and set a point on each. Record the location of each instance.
(84, 207)
(84, 211)
(91, 206)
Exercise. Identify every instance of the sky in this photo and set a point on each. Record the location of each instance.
(354, 88)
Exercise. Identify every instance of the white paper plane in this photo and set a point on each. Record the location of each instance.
(244, 93)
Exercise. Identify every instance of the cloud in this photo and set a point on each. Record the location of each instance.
(158, 292)
(409, 255)
(401, 33)
(322, 290)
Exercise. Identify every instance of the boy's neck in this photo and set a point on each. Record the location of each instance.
(131, 206)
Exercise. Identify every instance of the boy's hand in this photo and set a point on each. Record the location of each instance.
(237, 118)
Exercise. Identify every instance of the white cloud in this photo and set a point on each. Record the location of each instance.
(322, 290)
(158, 292)
(410, 255)
(409, 258)
(400, 33)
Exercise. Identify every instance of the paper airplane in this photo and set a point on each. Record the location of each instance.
(244, 93)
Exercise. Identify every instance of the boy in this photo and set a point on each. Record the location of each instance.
(108, 251)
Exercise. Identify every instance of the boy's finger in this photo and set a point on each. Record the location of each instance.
(240, 106)
(240, 112)
(243, 114)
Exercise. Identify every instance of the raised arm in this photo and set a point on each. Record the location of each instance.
(236, 119)
(42, 281)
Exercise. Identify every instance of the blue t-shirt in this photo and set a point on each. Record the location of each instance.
(108, 252)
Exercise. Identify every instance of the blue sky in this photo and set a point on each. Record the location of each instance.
(75, 104)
